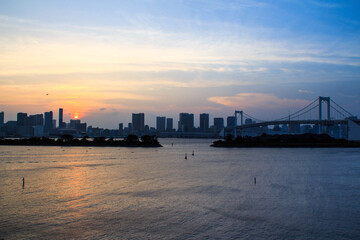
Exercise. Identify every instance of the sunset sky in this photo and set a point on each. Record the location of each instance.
(103, 60)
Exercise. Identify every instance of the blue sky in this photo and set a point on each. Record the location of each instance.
(104, 60)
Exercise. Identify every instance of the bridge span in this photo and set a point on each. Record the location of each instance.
(312, 114)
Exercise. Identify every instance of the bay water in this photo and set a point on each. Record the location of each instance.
(155, 193)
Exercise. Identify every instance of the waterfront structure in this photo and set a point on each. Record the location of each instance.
(160, 124)
(48, 122)
(138, 122)
(121, 128)
(219, 123)
(230, 121)
(1, 118)
(204, 122)
(61, 120)
(77, 125)
(169, 124)
(22, 119)
(36, 120)
(186, 122)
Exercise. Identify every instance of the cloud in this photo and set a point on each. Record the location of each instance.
(41, 49)
(247, 101)
(305, 91)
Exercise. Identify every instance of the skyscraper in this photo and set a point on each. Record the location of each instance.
(22, 119)
(48, 122)
(1, 118)
(160, 124)
(61, 125)
(204, 122)
(230, 121)
(138, 122)
(36, 120)
(219, 123)
(169, 124)
(186, 122)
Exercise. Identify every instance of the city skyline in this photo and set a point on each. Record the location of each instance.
(101, 62)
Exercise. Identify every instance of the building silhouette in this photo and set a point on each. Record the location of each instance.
(36, 120)
(21, 119)
(160, 124)
(48, 126)
(186, 122)
(61, 120)
(204, 122)
(121, 129)
(230, 121)
(1, 118)
(169, 124)
(77, 125)
(138, 122)
(219, 123)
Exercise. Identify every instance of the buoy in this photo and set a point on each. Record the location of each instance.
(254, 180)
(185, 155)
(23, 186)
(193, 153)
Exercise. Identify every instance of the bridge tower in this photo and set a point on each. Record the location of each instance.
(236, 118)
(321, 100)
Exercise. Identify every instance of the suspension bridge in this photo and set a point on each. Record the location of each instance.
(325, 115)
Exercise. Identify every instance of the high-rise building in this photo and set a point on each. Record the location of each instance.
(36, 120)
(121, 128)
(1, 118)
(230, 121)
(219, 123)
(160, 124)
(169, 124)
(186, 122)
(22, 119)
(61, 120)
(204, 122)
(48, 126)
(138, 122)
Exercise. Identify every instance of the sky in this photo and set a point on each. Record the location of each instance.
(103, 60)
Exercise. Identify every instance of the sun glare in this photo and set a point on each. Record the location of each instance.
(76, 116)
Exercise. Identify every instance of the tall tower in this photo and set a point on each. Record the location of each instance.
(1, 118)
(186, 122)
(60, 117)
(204, 122)
(138, 122)
(169, 124)
(160, 124)
(48, 121)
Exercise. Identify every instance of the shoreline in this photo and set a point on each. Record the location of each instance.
(286, 141)
(130, 141)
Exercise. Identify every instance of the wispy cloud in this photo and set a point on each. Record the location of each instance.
(305, 91)
(109, 49)
(251, 101)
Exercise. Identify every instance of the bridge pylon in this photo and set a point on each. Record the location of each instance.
(241, 113)
(321, 100)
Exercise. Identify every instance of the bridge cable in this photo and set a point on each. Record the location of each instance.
(297, 111)
(342, 108)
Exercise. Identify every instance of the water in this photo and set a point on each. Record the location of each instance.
(154, 193)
